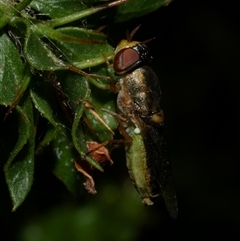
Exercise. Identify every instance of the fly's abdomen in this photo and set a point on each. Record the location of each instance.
(138, 168)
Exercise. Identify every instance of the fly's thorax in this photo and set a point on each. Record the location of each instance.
(136, 83)
(133, 87)
(125, 103)
(131, 97)
(137, 88)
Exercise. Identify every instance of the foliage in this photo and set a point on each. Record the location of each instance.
(42, 87)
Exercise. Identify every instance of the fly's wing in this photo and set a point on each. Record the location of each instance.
(159, 164)
(149, 115)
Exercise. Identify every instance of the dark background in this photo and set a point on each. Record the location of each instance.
(196, 56)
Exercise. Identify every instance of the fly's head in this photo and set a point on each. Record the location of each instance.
(130, 54)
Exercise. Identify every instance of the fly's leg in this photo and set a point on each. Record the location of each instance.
(90, 108)
(93, 78)
(99, 152)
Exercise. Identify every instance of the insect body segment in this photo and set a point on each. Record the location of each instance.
(138, 101)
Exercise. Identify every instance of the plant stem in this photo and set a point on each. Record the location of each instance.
(23, 4)
(76, 16)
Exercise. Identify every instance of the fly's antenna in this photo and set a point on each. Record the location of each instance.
(130, 35)
(148, 40)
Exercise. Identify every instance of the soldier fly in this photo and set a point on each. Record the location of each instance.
(139, 101)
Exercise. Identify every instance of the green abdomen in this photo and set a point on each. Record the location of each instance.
(138, 167)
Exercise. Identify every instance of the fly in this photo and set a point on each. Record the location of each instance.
(139, 101)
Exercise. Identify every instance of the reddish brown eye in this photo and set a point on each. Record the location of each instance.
(124, 59)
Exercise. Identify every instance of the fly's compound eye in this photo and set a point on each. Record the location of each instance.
(126, 59)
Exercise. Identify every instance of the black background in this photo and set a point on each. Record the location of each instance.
(196, 56)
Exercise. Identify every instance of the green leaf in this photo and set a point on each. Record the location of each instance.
(76, 88)
(48, 137)
(65, 154)
(39, 55)
(137, 8)
(46, 47)
(80, 140)
(42, 94)
(12, 72)
(103, 99)
(79, 47)
(85, 54)
(58, 8)
(20, 165)
(99, 99)
(65, 8)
